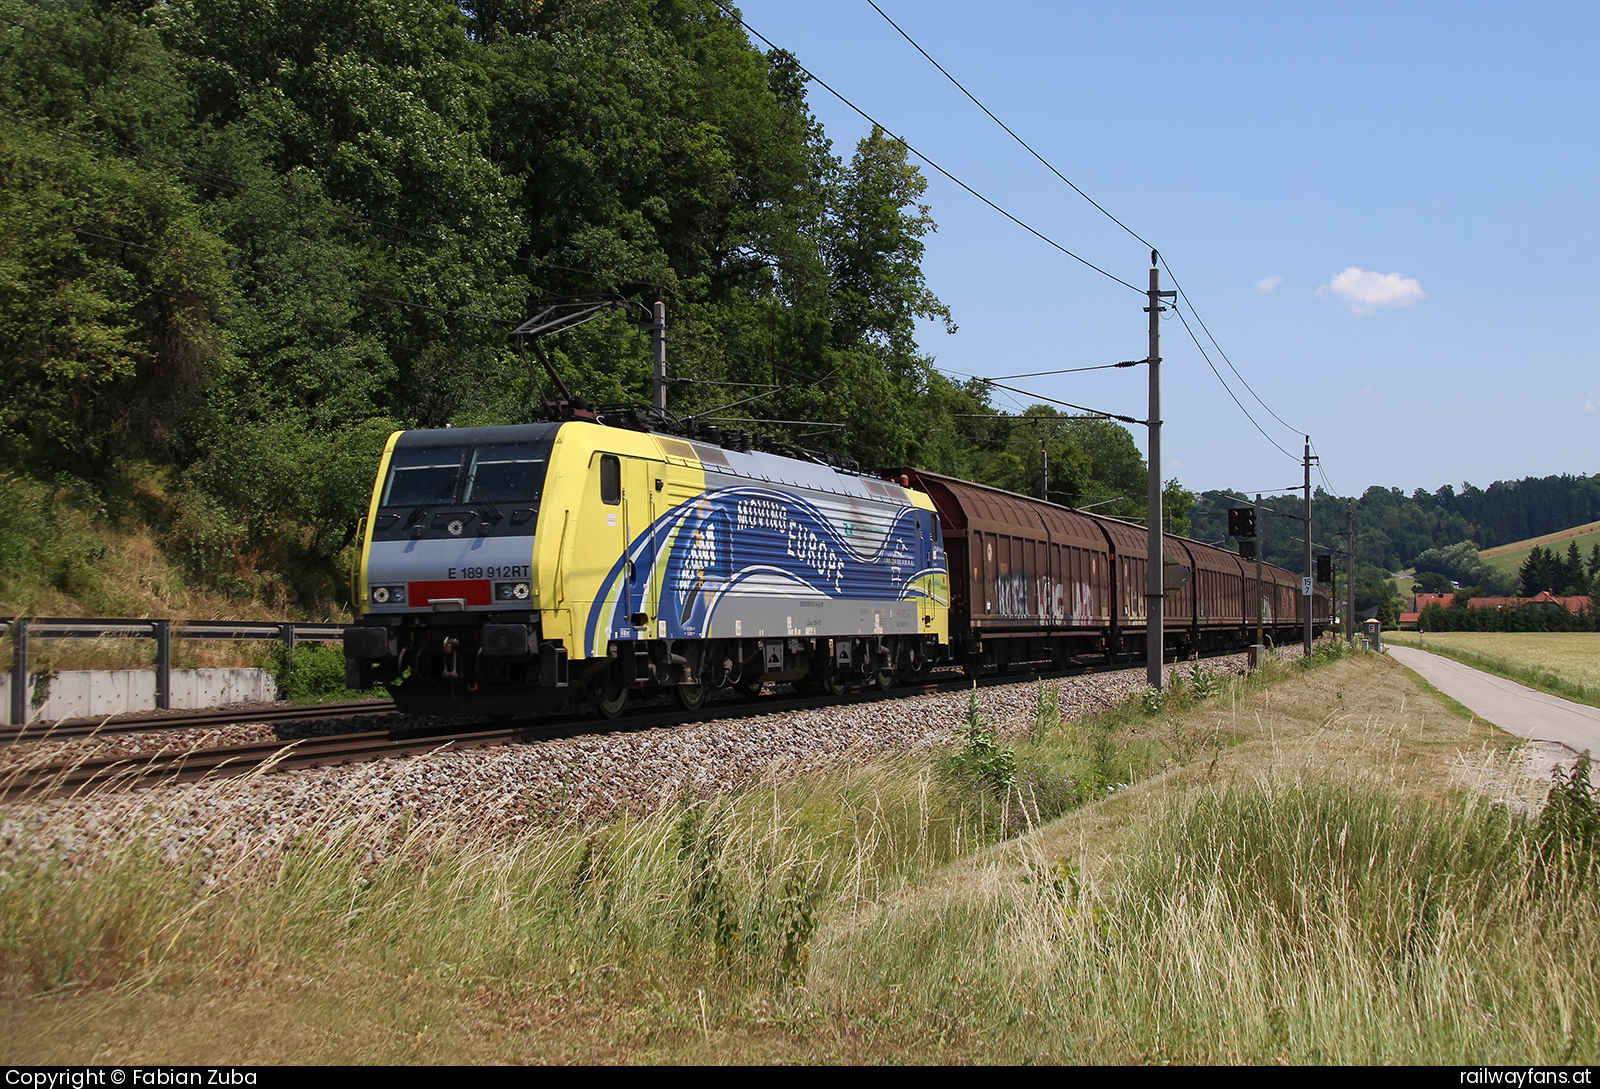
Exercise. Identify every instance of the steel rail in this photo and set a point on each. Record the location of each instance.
(224, 761)
(66, 729)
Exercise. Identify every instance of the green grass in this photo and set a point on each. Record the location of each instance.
(1276, 921)
(1307, 907)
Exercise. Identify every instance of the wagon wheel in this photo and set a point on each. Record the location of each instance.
(833, 682)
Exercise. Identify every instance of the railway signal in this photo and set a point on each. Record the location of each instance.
(1325, 569)
(1241, 522)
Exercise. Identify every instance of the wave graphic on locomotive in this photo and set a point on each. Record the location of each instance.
(563, 566)
(734, 544)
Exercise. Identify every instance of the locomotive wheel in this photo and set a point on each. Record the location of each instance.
(883, 678)
(690, 697)
(611, 700)
(830, 683)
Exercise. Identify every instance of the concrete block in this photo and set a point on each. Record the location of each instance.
(96, 693)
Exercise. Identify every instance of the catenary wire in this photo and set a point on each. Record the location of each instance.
(1323, 473)
(1185, 296)
(1225, 385)
(1071, 370)
(1068, 404)
(1047, 164)
(238, 186)
(736, 17)
(1099, 207)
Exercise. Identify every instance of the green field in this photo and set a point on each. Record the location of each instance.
(1565, 664)
(1509, 557)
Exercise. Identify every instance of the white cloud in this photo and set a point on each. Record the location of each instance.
(1365, 291)
(1269, 283)
(1591, 404)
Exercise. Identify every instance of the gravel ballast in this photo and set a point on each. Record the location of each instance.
(501, 791)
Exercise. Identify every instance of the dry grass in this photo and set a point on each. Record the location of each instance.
(1566, 664)
(134, 579)
(1296, 872)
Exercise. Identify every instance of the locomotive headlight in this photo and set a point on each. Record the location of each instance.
(512, 591)
(381, 595)
(388, 595)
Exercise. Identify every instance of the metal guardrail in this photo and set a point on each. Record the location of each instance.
(23, 628)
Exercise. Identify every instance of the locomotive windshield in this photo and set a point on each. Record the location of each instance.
(506, 472)
(423, 476)
(483, 466)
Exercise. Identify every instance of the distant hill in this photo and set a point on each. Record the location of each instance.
(1509, 557)
(1393, 528)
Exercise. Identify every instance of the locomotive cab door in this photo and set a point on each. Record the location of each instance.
(927, 528)
(639, 502)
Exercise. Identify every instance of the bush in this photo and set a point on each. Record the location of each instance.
(42, 540)
(1530, 617)
(1012, 793)
(317, 676)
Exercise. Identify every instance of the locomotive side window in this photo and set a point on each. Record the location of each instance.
(419, 476)
(506, 472)
(610, 479)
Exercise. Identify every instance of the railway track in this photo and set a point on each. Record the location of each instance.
(183, 720)
(224, 761)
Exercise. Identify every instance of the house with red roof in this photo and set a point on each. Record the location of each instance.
(1420, 602)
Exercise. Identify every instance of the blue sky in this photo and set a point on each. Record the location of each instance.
(1385, 214)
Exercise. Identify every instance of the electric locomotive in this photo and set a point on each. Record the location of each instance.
(565, 565)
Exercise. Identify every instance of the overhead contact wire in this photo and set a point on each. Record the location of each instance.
(1225, 385)
(730, 13)
(1047, 164)
(1185, 296)
(1103, 211)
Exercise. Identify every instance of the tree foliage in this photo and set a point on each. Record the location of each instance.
(1546, 569)
(244, 241)
(1432, 532)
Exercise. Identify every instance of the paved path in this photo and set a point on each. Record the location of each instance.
(1514, 708)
